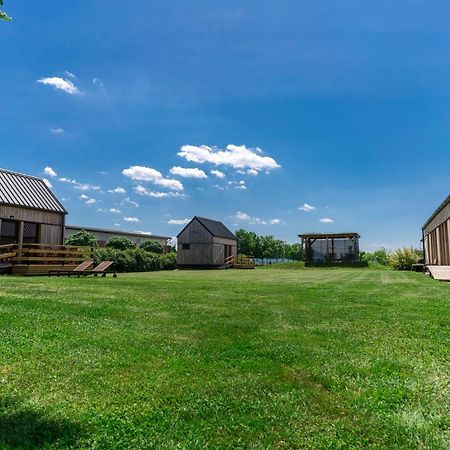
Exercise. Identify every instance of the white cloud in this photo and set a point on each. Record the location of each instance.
(141, 173)
(60, 83)
(238, 184)
(98, 82)
(131, 219)
(252, 172)
(70, 74)
(188, 172)
(141, 190)
(178, 221)
(236, 156)
(115, 211)
(80, 186)
(91, 201)
(117, 224)
(83, 197)
(67, 180)
(117, 190)
(128, 201)
(47, 183)
(56, 130)
(86, 187)
(307, 208)
(217, 173)
(326, 220)
(244, 217)
(50, 172)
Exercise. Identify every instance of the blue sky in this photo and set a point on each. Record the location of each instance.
(339, 105)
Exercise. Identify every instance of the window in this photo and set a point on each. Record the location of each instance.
(186, 246)
(30, 233)
(8, 231)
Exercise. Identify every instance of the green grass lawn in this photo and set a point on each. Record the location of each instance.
(313, 358)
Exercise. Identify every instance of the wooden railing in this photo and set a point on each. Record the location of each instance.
(240, 260)
(229, 260)
(51, 254)
(7, 252)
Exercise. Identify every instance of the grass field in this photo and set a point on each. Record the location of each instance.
(315, 358)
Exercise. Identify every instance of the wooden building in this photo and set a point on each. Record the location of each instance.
(102, 235)
(436, 236)
(328, 248)
(29, 212)
(205, 243)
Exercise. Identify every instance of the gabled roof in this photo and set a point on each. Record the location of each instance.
(217, 229)
(26, 191)
(437, 211)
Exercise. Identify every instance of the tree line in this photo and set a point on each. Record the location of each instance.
(266, 247)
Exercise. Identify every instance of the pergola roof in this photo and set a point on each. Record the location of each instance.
(329, 235)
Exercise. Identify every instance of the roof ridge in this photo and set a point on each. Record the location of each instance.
(20, 174)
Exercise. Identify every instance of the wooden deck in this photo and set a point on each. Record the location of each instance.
(38, 259)
(441, 273)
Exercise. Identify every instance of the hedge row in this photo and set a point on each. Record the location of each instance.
(337, 264)
(136, 259)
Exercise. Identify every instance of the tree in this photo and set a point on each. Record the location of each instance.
(3, 15)
(82, 238)
(120, 243)
(152, 247)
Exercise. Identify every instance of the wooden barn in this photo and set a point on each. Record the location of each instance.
(206, 243)
(29, 212)
(436, 236)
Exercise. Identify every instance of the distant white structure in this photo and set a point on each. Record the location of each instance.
(102, 235)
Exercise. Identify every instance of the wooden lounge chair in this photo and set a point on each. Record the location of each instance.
(101, 269)
(79, 270)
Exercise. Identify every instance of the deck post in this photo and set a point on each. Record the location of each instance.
(20, 234)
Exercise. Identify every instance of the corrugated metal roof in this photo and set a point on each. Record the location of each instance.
(26, 191)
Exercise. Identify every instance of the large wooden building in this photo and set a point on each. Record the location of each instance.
(102, 235)
(436, 236)
(205, 243)
(29, 212)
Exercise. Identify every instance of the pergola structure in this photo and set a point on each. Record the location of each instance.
(332, 247)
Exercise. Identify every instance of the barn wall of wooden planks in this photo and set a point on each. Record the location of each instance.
(199, 247)
(436, 236)
(48, 226)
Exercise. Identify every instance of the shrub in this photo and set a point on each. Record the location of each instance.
(152, 247)
(404, 258)
(136, 259)
(379, 256)
(169, 261)
(120, 243)
(82, 238)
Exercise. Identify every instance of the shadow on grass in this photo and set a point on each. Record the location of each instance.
(22, 427)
